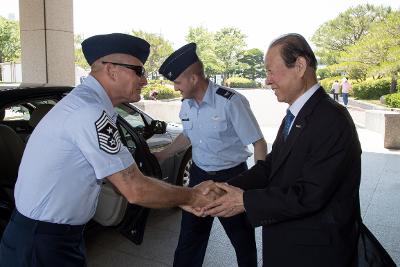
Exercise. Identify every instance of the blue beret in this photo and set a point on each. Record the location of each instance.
(99, 46)
(178, 61)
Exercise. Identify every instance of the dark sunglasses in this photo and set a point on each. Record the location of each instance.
(139, 70)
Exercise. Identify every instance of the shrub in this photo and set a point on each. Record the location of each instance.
(240, 82)
(164, 91)
(372, 89)
(393, 100)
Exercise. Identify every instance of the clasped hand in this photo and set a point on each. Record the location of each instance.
(217, 200)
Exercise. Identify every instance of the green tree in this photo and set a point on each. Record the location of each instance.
(387, 33)
(160, 49)
(230, 43)
(345, 30)
(205, 49)
(252, 64)
(79, 57)
(10, 46)
(327, 72)
(378, 52)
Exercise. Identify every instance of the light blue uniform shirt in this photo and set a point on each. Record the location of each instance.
(220, 128)
(67, 155)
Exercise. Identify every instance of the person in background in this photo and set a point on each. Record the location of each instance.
(336, 90)
(305, 194)
(346, 87)
(153, 95)
(73, 148)
(219, 124)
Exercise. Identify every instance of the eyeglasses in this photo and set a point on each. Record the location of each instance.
(139, 70)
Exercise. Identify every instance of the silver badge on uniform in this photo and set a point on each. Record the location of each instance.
(107, 134)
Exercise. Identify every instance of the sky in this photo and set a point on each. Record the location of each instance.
(260, 20)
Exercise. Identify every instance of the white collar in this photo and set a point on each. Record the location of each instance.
(299, 103)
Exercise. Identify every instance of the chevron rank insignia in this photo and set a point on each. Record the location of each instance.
(107, 134)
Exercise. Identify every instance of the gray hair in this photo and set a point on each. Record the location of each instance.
(295, 45)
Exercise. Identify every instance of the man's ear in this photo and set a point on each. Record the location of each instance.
(301, 66)
(194, 78)
(111, 72)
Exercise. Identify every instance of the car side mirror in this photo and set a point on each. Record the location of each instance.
(158, 127)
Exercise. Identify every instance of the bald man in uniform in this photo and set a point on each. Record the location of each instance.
(73, 148)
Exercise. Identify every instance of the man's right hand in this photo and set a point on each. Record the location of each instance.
(210, 188)
(203, 194)
(197, 202)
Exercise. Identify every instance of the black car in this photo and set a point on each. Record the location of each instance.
(21, 109)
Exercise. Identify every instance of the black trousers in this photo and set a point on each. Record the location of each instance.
(195, 231)
(28, 242)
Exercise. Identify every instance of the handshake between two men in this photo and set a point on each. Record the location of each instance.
(216, 199)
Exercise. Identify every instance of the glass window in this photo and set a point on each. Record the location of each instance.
(133, 117)
(127, 139)
(23, 111)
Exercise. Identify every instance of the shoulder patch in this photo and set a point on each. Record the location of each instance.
(225, 93)
(107, 134)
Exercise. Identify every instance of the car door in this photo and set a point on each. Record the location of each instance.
(141, 123)
(174, 168)
(113, 209)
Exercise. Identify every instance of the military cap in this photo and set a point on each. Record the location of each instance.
(99, 46)
(178, 61)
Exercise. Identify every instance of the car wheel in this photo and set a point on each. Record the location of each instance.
(183, 178)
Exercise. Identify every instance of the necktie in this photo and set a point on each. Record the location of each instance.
(288, 121)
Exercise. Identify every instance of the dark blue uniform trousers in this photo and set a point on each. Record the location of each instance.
(28, 242)
(195, 231)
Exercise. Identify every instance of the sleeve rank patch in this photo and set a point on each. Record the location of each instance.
(107, 134)
(225, 93)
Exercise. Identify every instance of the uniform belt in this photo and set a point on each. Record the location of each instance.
(45, 227)
(225, 171)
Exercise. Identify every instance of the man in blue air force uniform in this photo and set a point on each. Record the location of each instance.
(219, 124)
(73, 148)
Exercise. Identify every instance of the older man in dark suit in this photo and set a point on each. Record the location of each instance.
(305, 194)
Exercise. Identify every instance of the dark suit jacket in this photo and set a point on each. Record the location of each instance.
(305, 194)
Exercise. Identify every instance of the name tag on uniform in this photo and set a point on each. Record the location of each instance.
(186, 119)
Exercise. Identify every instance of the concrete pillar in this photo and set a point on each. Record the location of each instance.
(47, 41)
(387, 123)
(392, 131)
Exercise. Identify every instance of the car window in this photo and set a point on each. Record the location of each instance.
(127, 139)
(22, 111)
(133, 117)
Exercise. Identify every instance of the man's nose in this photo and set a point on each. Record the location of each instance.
(268, 81)
(144, 80)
